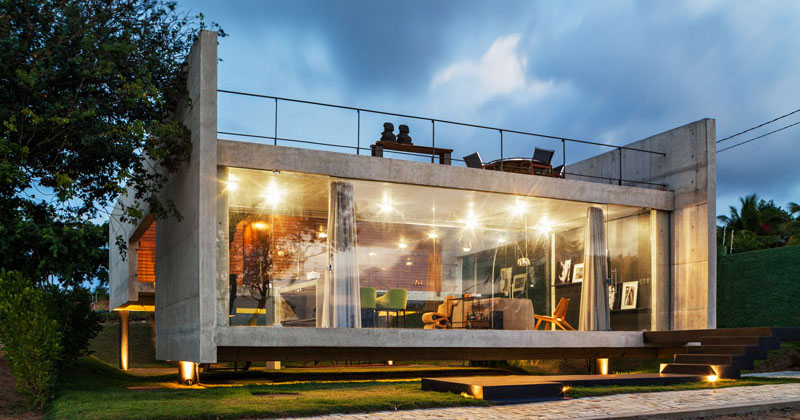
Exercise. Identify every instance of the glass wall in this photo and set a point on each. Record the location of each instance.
(316, 251)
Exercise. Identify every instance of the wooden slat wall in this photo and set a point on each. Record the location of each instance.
(146, 255)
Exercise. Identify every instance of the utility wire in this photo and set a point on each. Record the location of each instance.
(756, 138)
(758, 126)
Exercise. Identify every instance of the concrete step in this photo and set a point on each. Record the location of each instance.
(738, 361)
(750, 351)
(689, 369)
(720, 371)
(695, 335)
(768, 342)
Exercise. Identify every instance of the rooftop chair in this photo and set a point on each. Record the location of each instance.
(368, 298)
(440, 319)
(474, 161)
(542, 156)
(558, 319)
(394, 300)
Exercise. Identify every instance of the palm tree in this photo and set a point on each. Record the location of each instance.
(745, 219)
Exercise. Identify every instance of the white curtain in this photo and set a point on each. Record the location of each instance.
(594, 315)
(338, 295)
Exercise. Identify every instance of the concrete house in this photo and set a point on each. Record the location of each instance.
(290, 251)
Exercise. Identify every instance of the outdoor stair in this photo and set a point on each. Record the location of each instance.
(721, 352)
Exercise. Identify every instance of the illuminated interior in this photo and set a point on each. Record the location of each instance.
(484, 260)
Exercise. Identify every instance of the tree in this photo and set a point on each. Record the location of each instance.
(762, 224)
(87, 91)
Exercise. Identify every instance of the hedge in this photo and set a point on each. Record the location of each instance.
(759, 288)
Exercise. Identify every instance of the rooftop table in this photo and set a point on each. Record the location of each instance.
(444, 154)
(521, 166)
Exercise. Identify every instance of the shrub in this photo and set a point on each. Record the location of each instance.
(30, 337)
(78, 324)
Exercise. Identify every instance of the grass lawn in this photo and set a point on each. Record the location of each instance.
(93, 390)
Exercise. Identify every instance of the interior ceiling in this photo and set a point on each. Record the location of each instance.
(402, 203)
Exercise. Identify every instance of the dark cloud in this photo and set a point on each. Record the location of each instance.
(610, 71)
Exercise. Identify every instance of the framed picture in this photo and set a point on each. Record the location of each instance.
(505, 280)
(564, 276)
(577, 273)
(519, 284)
(612, 295)
(630, 293)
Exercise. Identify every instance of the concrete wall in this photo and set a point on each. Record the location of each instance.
(186, 249)
(122, 289)
(688, 169)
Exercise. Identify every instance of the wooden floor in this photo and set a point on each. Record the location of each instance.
(530, 387)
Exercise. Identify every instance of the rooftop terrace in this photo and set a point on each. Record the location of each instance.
(324, 126)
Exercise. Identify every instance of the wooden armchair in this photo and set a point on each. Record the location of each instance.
(558, 319)
(442, 318)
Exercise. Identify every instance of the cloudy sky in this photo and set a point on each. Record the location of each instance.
(609, 71)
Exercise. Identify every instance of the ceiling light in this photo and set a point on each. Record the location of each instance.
(518, 208)
(545, 225)
(402, 245)
(501, 240)
(273, 194)
(523, 262)
(470, 222)
(385, 206)
(432, 235)
(233, 183)
(466, 249)
(372, 254)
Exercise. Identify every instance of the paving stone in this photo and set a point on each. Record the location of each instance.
(600, 407)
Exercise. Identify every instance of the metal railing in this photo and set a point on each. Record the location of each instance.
(357, 148)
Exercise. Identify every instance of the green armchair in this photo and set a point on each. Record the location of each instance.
(368, 299)
(394, 300)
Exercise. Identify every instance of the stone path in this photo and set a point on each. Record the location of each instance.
(674, 404)
(783, 374)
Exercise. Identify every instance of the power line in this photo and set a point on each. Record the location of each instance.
(758, 126)
(756, 138)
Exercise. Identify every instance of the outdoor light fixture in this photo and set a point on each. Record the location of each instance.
(409, 263)
(712, 378)
(259, 225)
(322, 235)
(467, 249)
(602, 366)
(188, 373)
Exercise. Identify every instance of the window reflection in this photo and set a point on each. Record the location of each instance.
(417, 257)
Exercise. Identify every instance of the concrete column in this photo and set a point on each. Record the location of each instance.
(661, 284)
(223, 248)
(123, 340)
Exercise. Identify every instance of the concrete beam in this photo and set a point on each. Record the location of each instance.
(342, 165)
